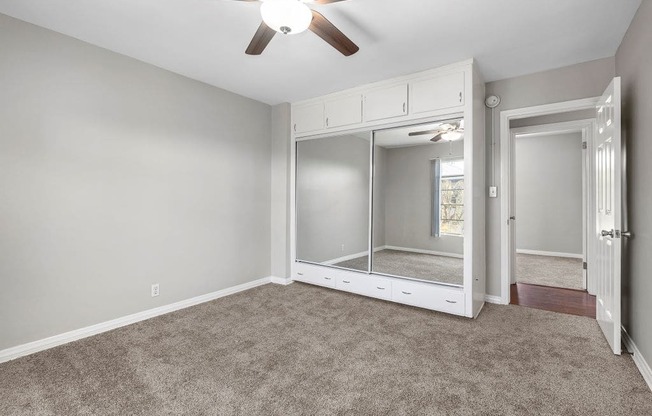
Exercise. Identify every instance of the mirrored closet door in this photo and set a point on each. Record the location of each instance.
(418, 202)
(332, 201)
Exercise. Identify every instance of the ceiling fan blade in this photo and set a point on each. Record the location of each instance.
(332, 35)
(419, 133)
(260, 40)
(437, 138)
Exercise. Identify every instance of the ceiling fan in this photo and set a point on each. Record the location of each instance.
(449, 131)
(294, 16)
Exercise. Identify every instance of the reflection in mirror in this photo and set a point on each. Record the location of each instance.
(332, 200)
(418, 211)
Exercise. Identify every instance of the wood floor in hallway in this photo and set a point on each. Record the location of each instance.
(570, 301)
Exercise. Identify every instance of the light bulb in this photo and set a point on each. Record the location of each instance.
(286, 16)
(451, 135)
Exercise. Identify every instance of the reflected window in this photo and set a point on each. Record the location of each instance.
(448, 202)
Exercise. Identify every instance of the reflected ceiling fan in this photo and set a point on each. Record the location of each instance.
(294, 16)
(449, 131)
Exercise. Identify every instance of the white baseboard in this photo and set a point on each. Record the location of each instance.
(53, 341)
(494, 299)
(281, 280)
(549, 253)
(639, 360)
(418, 250)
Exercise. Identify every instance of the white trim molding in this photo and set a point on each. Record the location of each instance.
(639, 360)
(281, 280)
(56, 340)
(494, 299)
(549, 253)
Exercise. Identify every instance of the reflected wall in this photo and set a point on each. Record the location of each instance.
(332, 197)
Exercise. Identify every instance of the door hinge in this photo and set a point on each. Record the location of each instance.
(584, 266)
(585, 145)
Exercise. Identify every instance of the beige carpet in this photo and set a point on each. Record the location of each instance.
(549, 271)
(404, 263)
(305, 350)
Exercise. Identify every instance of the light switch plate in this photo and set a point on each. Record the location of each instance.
(493, 192)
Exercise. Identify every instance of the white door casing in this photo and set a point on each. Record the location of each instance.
(607, 153)
(506, 116)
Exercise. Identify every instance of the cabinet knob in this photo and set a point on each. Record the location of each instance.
(380, 288)
(403, 107)
(346, 281)
(295, 127)
(451, 301)
(460, 96)
(406, 293)
(326, 121)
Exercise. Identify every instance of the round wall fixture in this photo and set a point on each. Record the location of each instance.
(492, 101)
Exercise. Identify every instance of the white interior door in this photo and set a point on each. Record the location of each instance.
(607, 235)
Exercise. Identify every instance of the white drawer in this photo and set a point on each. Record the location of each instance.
(428, 296)
(379, 287)
(376, 287)
(314, 274)
(351, 283)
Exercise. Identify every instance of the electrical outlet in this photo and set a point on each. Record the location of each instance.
(155, 290)
(493, 192)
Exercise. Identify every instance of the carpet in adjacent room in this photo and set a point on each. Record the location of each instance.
(549, 271)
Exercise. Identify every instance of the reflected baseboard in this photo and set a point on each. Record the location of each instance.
(396, 248)
(421, 251)
(351, 256)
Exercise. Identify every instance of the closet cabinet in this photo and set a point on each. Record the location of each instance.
(308, 118)
(343, 111)
(436, 93)
(355, 122)
(386, 102)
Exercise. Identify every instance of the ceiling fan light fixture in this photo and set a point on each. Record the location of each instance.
(286, 16)
(451, 136)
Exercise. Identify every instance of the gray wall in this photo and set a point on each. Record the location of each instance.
(583, 80)
(115, 174)
(280, 182)
(548, 188)
(408, 198)
(332, 198)
(634, 65)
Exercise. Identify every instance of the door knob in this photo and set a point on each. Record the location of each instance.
(606, 233)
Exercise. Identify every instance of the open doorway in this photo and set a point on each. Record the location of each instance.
(549, 211)
(549, 198)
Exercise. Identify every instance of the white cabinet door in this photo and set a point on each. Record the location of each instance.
(308, 117)
(433, 94)
(344, 111)
(386, 102)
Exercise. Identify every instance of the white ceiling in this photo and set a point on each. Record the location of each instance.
(206, 39)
